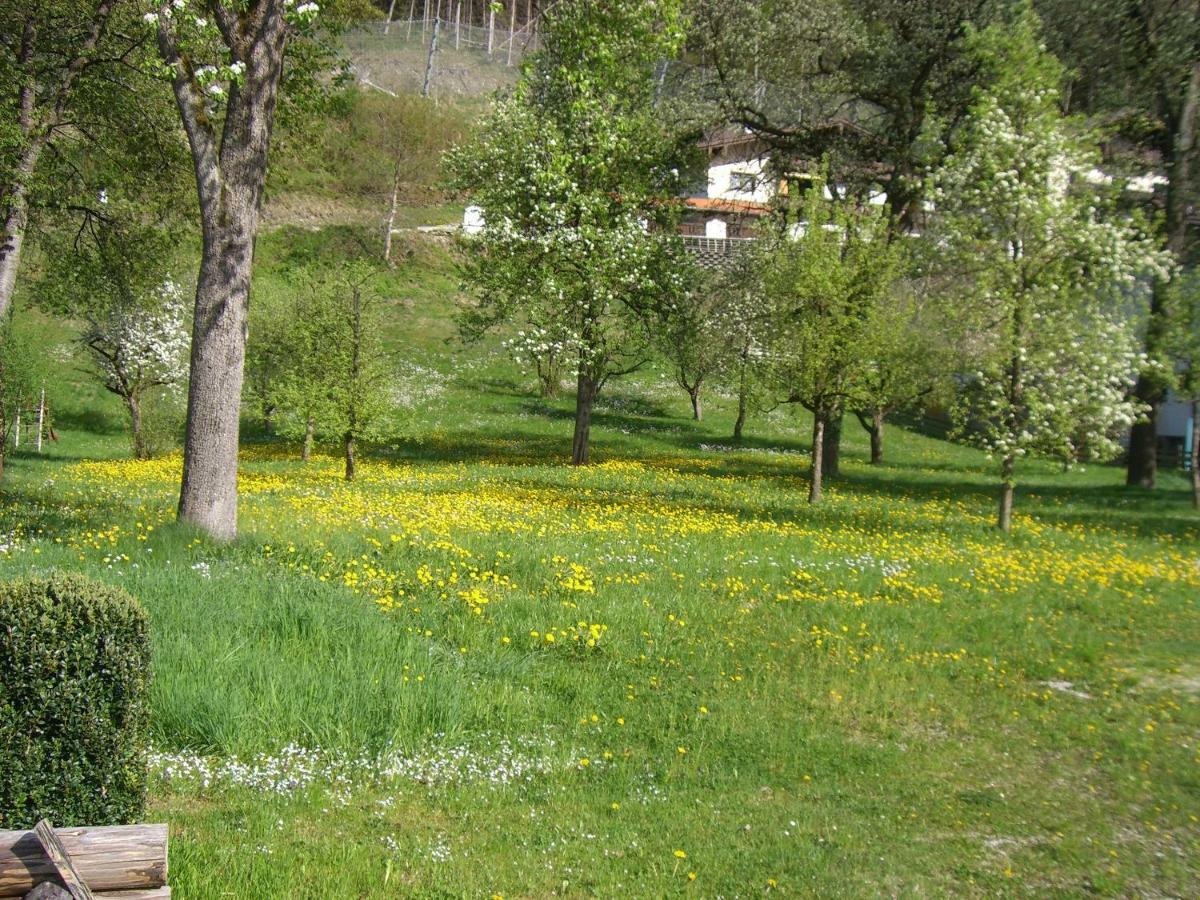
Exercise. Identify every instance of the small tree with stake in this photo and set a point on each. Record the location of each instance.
(336, 383)
(575, 174)
(1056, 378)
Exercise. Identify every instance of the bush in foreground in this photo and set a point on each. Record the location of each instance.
(74, 679)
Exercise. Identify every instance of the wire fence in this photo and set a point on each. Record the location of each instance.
(502, 44)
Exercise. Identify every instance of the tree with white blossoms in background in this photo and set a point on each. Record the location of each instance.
(138, 347)
(576, 174)
(1052, 283)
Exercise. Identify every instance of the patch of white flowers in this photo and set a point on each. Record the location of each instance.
(295, 769)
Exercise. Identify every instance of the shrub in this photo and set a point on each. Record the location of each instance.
(74, 674)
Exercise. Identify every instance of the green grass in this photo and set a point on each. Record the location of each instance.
(879, 695)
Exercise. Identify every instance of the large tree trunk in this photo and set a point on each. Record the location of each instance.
(1151, 390)
(743, 389)
(351, 463)
(818, 454)
(134, 405)
(230, 172)
(310, 430)
(874, 427)
(1194, 462)
(12, 239)
(832, 450)
(1006, 494)
(694, 396)
(585, 396)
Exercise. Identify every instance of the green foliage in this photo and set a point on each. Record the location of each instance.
(574, 174)
(331, 370)
(74, 678)
(1050, 277)
(824, 287)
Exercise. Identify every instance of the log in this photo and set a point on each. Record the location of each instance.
(64, 866)
(111, 858)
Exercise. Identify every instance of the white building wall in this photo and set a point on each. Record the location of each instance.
(716, 228)
(721, 177)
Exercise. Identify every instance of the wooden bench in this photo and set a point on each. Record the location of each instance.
(118, 861)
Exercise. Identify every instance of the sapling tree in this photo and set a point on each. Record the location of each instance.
(575, 174)
(823, 288)
(910, 352)
(1048, 274)
(695, 340)
(337, 375)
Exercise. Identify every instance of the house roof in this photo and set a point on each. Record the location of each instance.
(715, 204)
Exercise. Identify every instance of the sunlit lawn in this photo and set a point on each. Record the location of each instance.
(478, 671)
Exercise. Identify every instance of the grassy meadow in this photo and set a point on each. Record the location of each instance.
(478, 672)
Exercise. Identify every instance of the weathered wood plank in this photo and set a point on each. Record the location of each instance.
(61, 859)
(109, 858)
(158, 893)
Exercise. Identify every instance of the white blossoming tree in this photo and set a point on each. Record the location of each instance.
(575, 174)
(138, 347)
(1051, 280)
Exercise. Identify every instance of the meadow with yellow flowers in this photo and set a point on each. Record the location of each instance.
(480, 672)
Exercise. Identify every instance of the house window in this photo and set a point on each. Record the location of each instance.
(742, 182)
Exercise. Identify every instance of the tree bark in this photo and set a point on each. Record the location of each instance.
(12, 238)
(134, 405)
(429, 63)
(694, 395)
(874, 427)
(391, 218)
(351, 466)
(818, 453)
(585, 396)
(230, 173)
(740, 422)
(1194, 461)
(832, 449)
(310, 430)
(1006, 494)
(1150, 390)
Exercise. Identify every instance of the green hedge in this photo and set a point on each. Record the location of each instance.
(74, 679)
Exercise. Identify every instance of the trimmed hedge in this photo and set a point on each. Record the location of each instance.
(74, 679)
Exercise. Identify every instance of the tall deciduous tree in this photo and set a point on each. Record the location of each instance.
(1185, 351)
(1136, 67)
(575, 174)
(1019, 215)
(50, 53)
(225, 61)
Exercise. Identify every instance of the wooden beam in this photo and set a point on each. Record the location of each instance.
(58, 855)
(112, 858)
